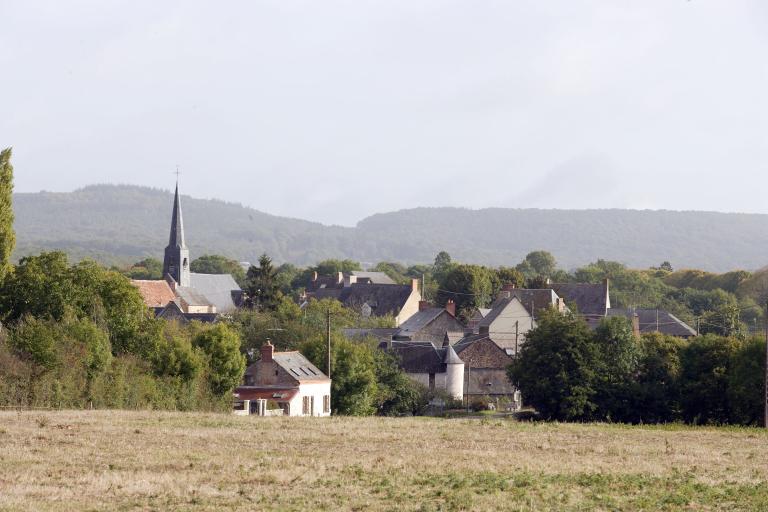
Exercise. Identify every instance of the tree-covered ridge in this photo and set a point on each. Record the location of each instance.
(123, 224)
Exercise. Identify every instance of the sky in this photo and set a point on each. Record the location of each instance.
(332, 111)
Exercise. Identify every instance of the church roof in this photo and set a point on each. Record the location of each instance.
(156, 294)
(220, 289)
(176, 239)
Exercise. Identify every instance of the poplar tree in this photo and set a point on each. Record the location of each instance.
(7, 235)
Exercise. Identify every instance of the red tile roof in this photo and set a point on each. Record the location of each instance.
(156, 294)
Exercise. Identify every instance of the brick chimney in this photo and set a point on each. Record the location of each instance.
(423, 304)
(267, 350)
(450, 307)
(508, 287)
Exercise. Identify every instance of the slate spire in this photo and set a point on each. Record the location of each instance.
(176, 261)
(177, 225)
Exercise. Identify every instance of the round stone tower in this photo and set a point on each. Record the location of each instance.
(454, 374)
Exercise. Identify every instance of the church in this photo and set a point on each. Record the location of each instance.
(183, 294)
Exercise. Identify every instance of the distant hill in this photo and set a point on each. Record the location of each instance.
(122, 224)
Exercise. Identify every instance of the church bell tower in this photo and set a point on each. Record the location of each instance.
(176, 261)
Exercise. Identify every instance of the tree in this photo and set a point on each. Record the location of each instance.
(745, 382)
(704, 379)
(331, 267)
(148, 268)
(397, 394)
(538, 263)
(7, 235)
(353, 388)
(620, 354)
(261, 287)
(218, 264)
(226, 364)
(469, 286)
(558, 368)
(658, 378)
(509, 275)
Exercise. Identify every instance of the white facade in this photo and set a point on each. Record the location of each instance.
(312, 400)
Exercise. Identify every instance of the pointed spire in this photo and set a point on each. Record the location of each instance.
(176, 238)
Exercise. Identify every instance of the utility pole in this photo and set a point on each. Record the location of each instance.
(516, 333)
(328, 326)
(697, 326)
(765, 397)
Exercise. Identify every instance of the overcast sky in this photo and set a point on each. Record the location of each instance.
(332, 111)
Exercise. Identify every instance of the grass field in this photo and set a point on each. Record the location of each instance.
(99, 460)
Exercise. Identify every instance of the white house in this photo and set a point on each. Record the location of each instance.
(288, 381)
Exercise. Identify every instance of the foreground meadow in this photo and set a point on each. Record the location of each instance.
(102, 460)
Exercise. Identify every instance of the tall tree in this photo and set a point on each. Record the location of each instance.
(261, 286)
(7, 235)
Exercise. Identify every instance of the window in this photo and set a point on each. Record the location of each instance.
(306, 406)
(327, 404)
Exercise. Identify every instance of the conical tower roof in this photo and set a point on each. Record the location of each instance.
(451, 357)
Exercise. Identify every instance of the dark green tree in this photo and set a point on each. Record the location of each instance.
(745, 382)
(558, 368)
(353, 371)
(7, 235)
(226, 364)
(261, 286)
(469, 286)
(658, 378)
(397, 394)
(704, 378)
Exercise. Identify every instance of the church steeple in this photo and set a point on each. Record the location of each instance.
(176, 261)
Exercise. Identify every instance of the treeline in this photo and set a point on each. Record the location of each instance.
(80, 336)
(568, 372)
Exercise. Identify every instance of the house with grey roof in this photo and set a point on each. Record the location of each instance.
(514, 313)
(396, 300)
(430, 323)
(590, 300)
(289, 381)
(646, 321)
(433, 366)
(186, 295)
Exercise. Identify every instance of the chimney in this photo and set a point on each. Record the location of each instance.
(450, 307)
(508, 287)
(635, 324)
(340, 278)
(423, 304)
(266, 352)
(415, 285)
(314, 276)
(349, 280)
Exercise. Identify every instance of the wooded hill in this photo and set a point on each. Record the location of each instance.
(122, 224)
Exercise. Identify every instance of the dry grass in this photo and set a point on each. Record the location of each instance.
(99, 460)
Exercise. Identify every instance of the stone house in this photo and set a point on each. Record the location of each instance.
(435, 367)
(430, 324)
(485, 367)
(288, 380)
(399, 301)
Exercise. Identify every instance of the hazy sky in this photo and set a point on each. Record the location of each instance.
(332, 111)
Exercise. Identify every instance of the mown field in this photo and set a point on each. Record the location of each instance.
(101, 460)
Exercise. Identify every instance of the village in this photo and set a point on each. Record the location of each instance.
(463, 360)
